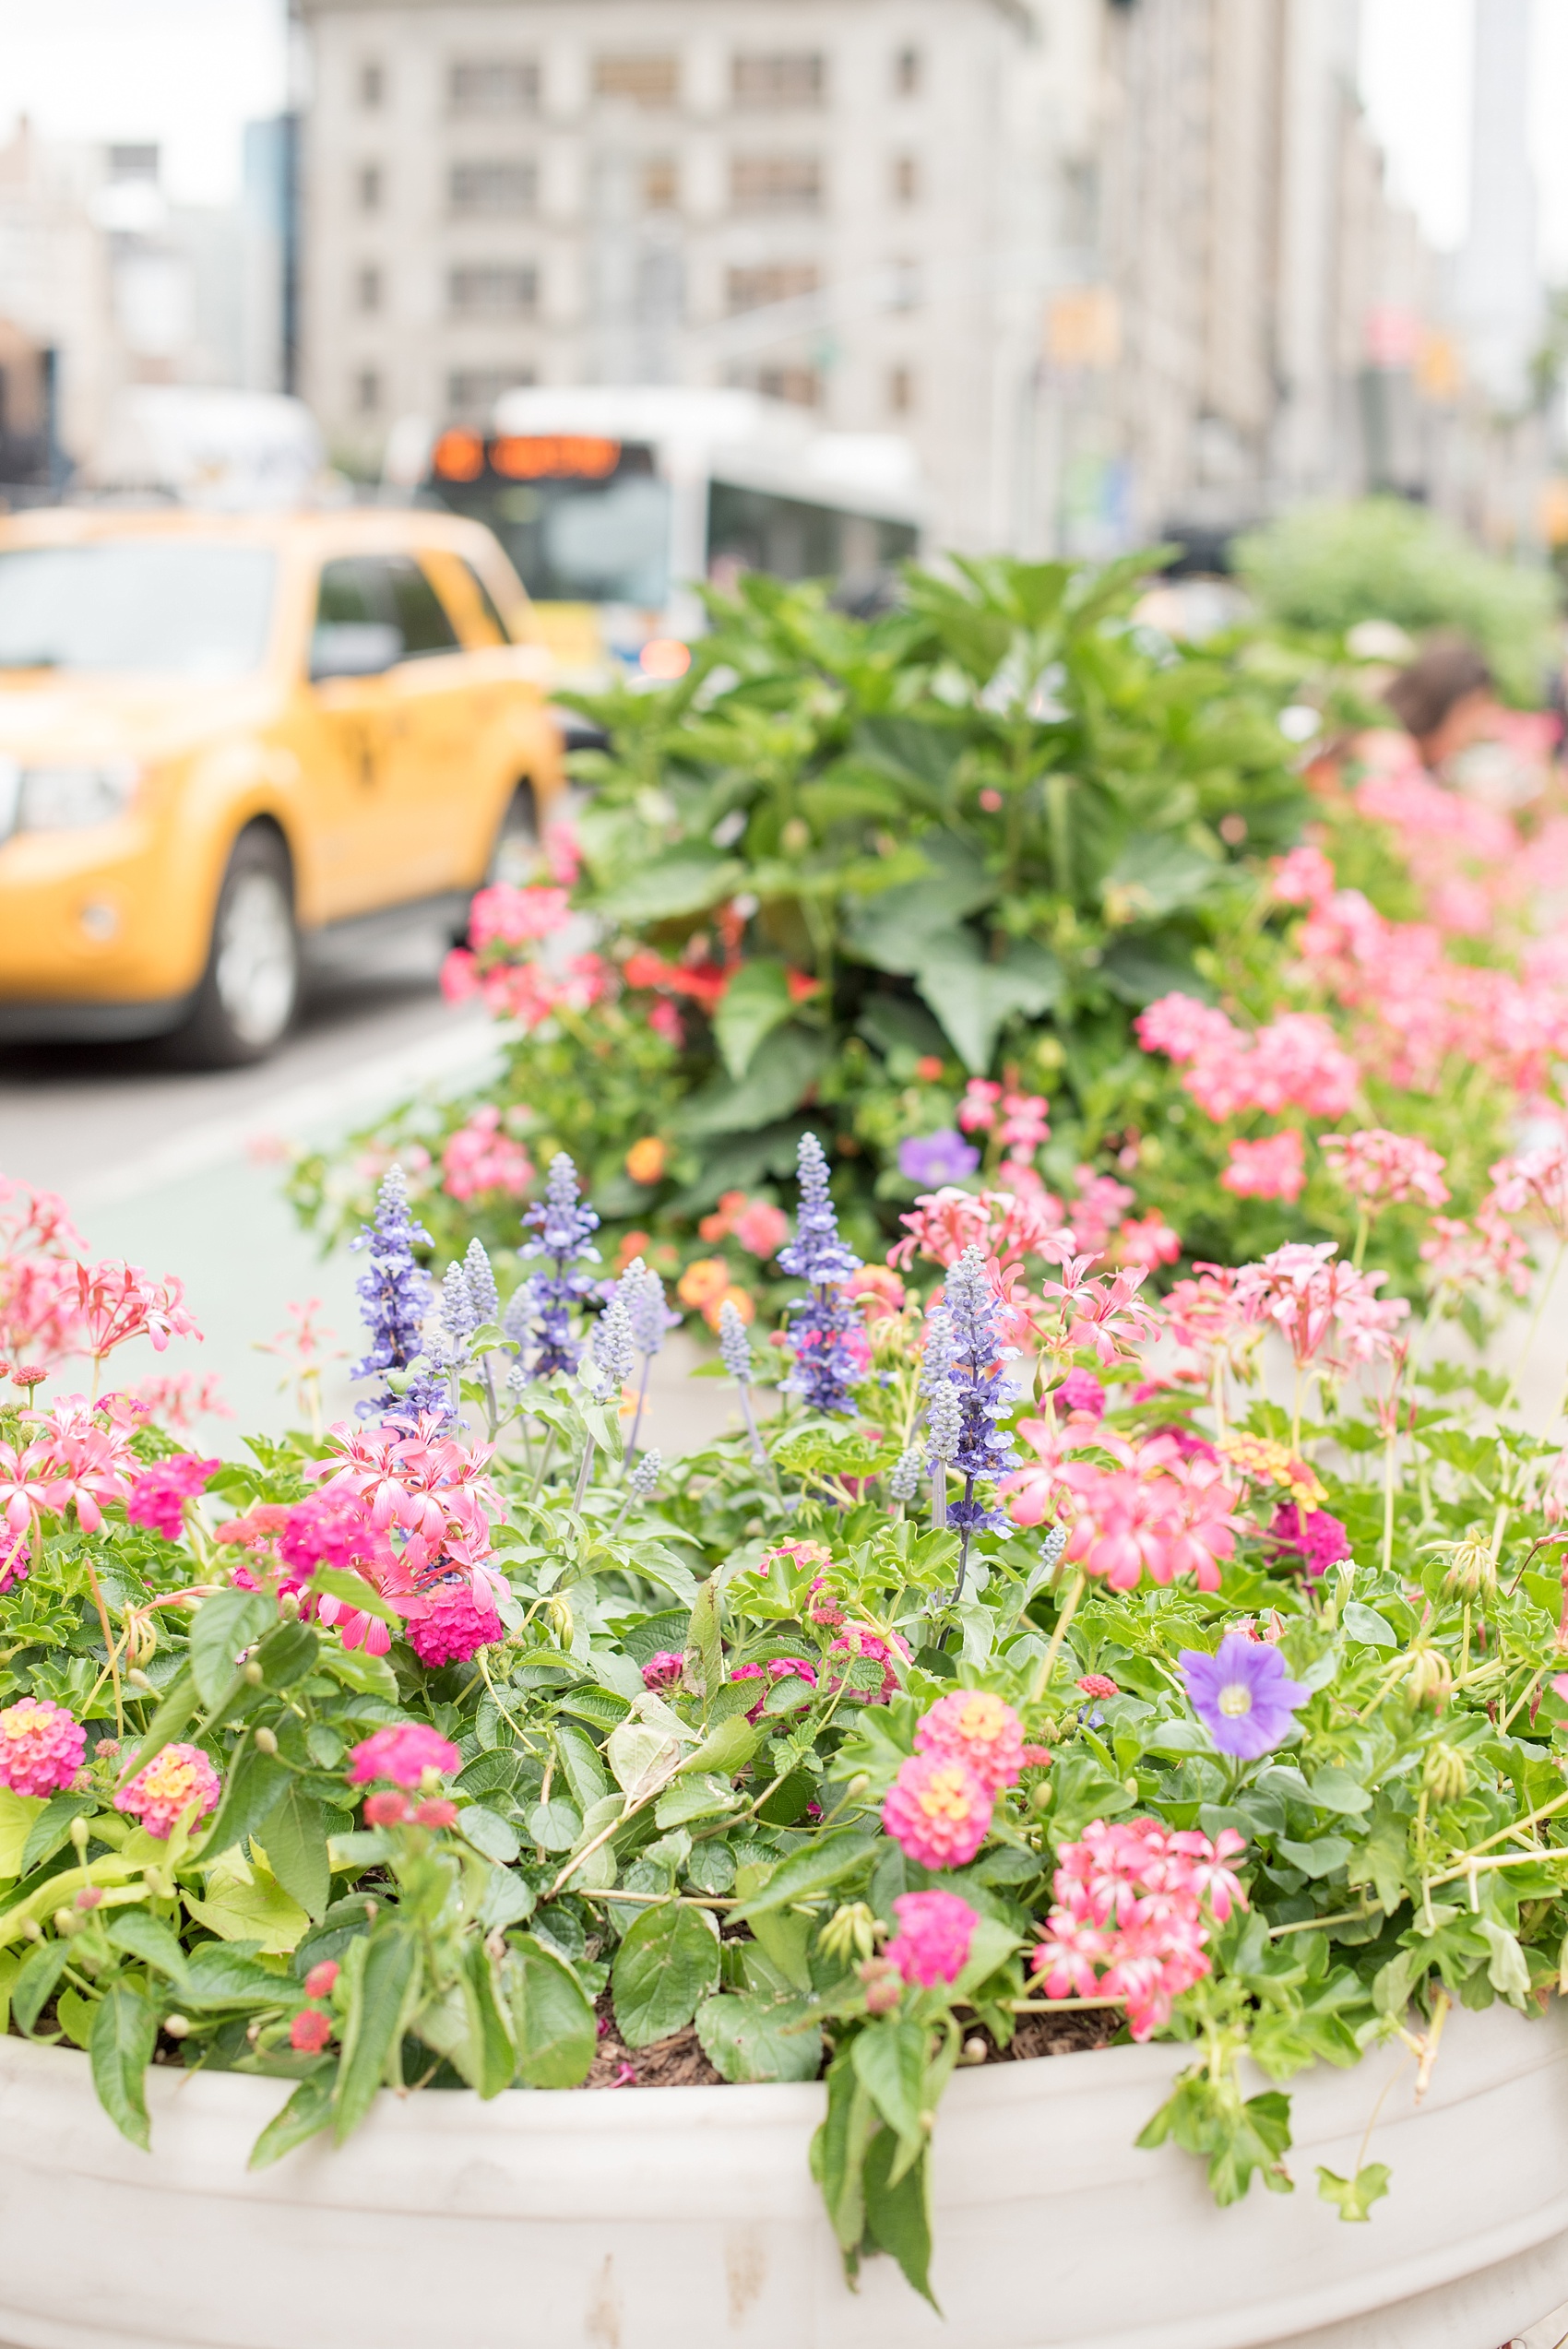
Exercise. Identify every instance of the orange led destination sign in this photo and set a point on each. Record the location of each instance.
(540, 457)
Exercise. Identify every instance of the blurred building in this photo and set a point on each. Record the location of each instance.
(1119, 267)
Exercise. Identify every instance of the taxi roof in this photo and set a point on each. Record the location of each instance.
(369, 530)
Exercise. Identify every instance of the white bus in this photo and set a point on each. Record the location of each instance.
(614, 503)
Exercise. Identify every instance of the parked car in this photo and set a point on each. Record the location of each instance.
(221, 737)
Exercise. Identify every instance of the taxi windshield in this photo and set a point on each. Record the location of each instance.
(137, 607)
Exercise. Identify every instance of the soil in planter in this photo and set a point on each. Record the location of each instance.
(675, 2062)
(1057, 2034)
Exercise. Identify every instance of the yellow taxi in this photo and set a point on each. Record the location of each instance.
(224, 736)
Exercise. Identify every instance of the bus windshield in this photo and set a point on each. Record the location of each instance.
(585, 520)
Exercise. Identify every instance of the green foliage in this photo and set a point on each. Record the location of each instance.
(1326, 567)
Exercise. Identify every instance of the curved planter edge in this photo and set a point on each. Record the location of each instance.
(685, 2218)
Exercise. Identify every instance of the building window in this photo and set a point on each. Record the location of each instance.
(776, 183)
(371, 187)
(472, 392)
(373, 85)
(493, 85)
(905, 179)
(494, 289)
(661, 184)
(492, 187)
(906, 72)
(753, 288)
(900, 390)
(368, 286)
(801, 386)
(794, 79)
(647, 81)
(367, 391)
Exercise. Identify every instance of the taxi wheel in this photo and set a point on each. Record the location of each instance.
(251, 988)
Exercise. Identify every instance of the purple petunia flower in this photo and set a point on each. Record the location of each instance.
(938, 1158)
(1242, 1695)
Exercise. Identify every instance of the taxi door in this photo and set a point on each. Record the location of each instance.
(435, 736)
(346, 745)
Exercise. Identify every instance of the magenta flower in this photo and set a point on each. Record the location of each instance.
(173, 1780)
(936, 1158)
(935, 1930)
(1081, 1391)
(937, 1812)
(41, 1747)
(1242, 1695)
(781, 1667)
(453, 1627)
(403, 1752)
(159, 1496)
(1318, 1538)
(977, 1729)
(663, 1670)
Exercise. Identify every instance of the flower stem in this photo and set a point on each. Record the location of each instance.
(1048, 1662)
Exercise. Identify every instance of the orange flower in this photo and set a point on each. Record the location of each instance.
(722, 1223)
(704, 1283)
(877, 1292)
(633, 1243)
(647, 1159)
(741, 1300)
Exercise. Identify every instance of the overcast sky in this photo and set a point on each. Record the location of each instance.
(188, 73)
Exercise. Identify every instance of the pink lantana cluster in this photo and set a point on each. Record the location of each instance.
(936, 1933)
(778, 1667)
(403, 1752)
(1295, 1062)
(482, 1159)
(173, 1780)
(41, 1747)
(1162, 1510)
(1384, 1169)
(158, 1496)
(1275, 1167)
(1131, 1917)
(1326, 1312)
(453, 1625)
(855, 1641)
(939, 1808)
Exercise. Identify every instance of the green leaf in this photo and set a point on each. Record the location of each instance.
(75, 2014)
(253, 1785)
(893, 931)
(1335, 1789)
(307, 2111)
(725, 1750)
(666, 1966)
(838, 2152)
(552, 2021)
(147, 1937)
(555, 1825)
(295, 1835)
(18, 1815)
(1364, 1623)
(508, 1899)
(889, 2059)
(367, 1674)
(583, 1763)
(384, 1972)
(354, 1591)
(35, 1982)
(1320, 1858)
(639, 1753)
(220, 1627)
(974, 998)
(50, 1829)
(746, 2038)
(288, 1653)
(10, 1966)
(489, 1832)
(774, 1085)
(684, 880)
(703, 1795)
(125, 2031)
(703, 1644)
(1507, 1969)
(1355, 2196)
(898, 2215)
(811, 1872)
(260, 1911)
(490, 2033)
(179, 1703)
(221, 1974)
(755, 1002)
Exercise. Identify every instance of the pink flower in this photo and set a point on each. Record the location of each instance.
(1130, 1900)
(41, 1747)
(1155, 1512)
(781, 1667)
(436, 1812)
(158, 1495)
(937, 1812)
(665, 1020)
(173, 1780)
(116, 1301)
(981, 1730)
(1534, 1184)
(1294, 1061)
(854, 1641)
(1304, 877)
(1382, 1169)
(479, 1159)
(663, 1670)
(1322, 1307)
(460, 976)
(310, 2031)
(935, 1930)
(1097, 1684)
(1320, 1540)
(762, 1229)
(1081, 1391)
(386, 1808)
(453, 1626)
(403, 1752)
(505, 916)
(977, 1110)
(1272, 1169)
(1147, 1240)
(319, 1981)
(15, 1559)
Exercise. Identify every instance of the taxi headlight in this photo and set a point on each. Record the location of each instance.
(70, 798)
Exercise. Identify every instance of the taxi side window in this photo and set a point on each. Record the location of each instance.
(347, 599)
(487, 605)
(418, 611)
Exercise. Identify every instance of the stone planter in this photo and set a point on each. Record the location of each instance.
(685, 2218)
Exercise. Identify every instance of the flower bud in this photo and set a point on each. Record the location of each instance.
(386, 1808)
(88, 1897)
(106, 1748)
(1446, 1774)
(253, 1673)
(558, 1615)
(858, 1787)
(1041, 1796)
(320, 1979)
(33, 1928)
(851, 1927)
(81, 1834)
(974, 2051)
(176, 2027)
(289, 1606)
(138, 1680)
(66, 1920)
(884, 1985)
(439, 1811)
(1472, 1569)
(1430, 1677)
(265, 1740)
